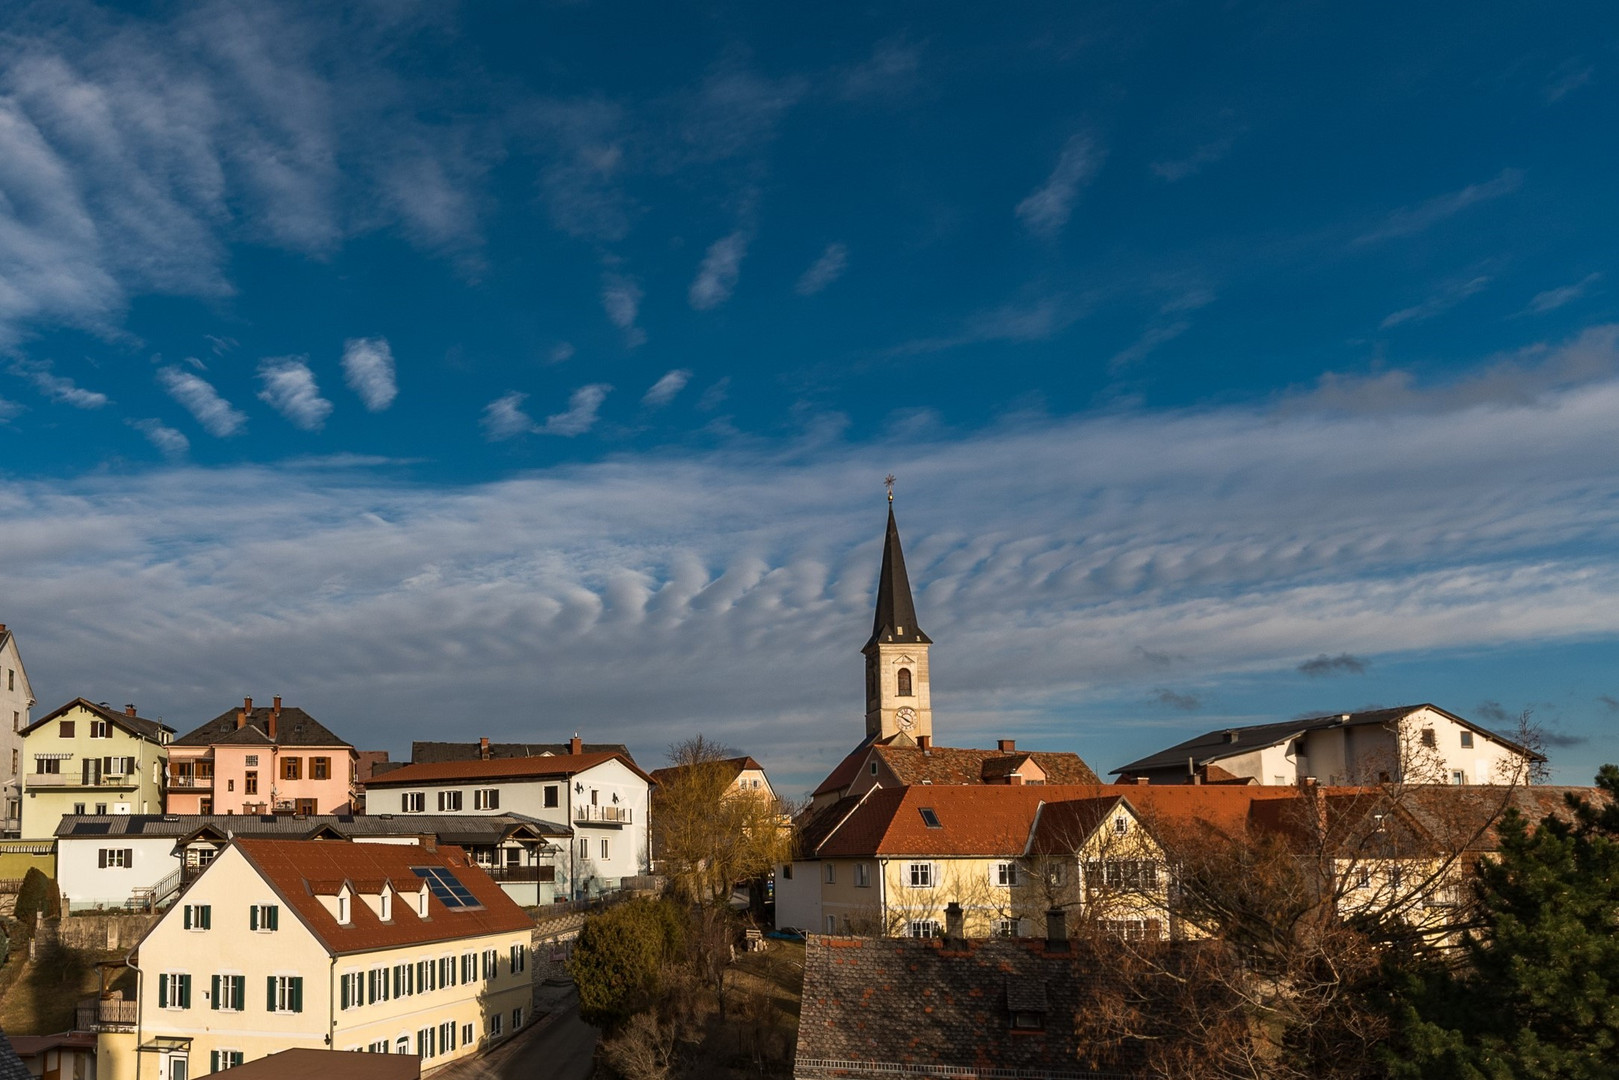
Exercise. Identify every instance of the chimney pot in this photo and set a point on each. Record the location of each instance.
(1006, 746)
(129, 710)
(954, 922)
(1141, 780)
(483, 749)
(277, 701)
(574, 745)
(247, 703)
(1056, 930)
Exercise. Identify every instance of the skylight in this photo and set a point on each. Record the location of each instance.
(930, 819)
(446, 886)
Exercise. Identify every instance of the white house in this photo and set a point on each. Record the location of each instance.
(602, 797)
(16, 698)
(1413, 743)
(386, 948)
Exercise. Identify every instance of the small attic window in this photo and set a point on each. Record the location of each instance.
(873, 768)
(1429, 739)
(387, 912)
(1120, 825)
(1467, 740)
(343, 908)
(930, 819)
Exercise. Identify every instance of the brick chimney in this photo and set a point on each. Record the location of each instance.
(428, 842)
(483, 749)
(277, 706)
(129, 710)
(241, 718)
(1016, 780)
(574, 745)
(924, 742)
(1006, 746)
(954, 922)
(275, 714)
(1056, 930)
(247, 703)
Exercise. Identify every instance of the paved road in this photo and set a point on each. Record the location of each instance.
(564, 1049)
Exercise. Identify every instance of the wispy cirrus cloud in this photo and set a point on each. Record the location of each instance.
(1424, 216)
(290, 389)
(890, 71)
(721, 268)
(368, 367)
(664, 390)
(214, 413)
(171, 442)
(1199, 159)
(1047, 209)
(506, 418)
(824, 270)
(1039, 319)
(621, 299)
(1150, 339)
(1552, 299)
(1437, 304)
(58, 388)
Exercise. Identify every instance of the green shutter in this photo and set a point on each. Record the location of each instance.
(162, 991)
(269, 993)
(298, 994)
(239, 984)
(207, 916)
(273, 914)
(185, 992)
(213, 1061)
(253, 917)
(188, 916)
(213, 996)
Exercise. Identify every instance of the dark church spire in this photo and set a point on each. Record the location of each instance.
(896, 613)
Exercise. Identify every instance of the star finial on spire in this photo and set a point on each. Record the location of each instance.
(888, 482)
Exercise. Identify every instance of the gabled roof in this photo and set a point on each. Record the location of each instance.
(297, 869)
(1060, 828)
(734, 767)
(468, 829)
(140, 727)
(423, 753)
(843, 774)
(958, 765)
(981, 821)
(895, 620)
(294, 727)
(7, 637)
(558, 765)
(1219, 744)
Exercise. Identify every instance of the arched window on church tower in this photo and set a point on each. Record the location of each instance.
(904, 682)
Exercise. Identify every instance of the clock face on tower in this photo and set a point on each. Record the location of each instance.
(906, 718)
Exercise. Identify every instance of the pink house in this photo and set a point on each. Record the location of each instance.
(260, 761)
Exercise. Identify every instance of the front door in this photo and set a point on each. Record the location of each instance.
(177, 1068)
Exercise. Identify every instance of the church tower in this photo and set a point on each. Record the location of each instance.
(898, 700)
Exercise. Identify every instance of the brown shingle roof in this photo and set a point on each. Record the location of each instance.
(956, 765)
(138, 726)
(423, 752)
(501, 769)
(293, 727)
(298, 869)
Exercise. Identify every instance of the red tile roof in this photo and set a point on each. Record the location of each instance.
(501, 769)
(978, 820)
(300, 870)
(959, 765)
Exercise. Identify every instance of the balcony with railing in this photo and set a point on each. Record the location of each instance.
(543, 874)
(603, 815)
(106, 1014)
(79, 780)
(190, 782)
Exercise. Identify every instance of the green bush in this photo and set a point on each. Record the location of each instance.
(37, 895)
(619, 960)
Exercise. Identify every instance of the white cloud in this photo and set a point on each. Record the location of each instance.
(1416, 219)
(368, 366)
(1195, 162)
(1552, 299)
(560, 353)
(621, 299)
(1240, 540)
(213, 412)
(664, 390)
(1437, 304)
(1035, 320)
(504, 417)
(1047, 209)
(290, 389)
(1149, 340)
(717, 276)
(8, 410)
(889, 72)
(580, 417)
(58, 388)
(172, 443)
(824, 270)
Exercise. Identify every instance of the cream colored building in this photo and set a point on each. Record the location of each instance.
(381, 948)
(16, 699)
(85, 758)
(1419, 744)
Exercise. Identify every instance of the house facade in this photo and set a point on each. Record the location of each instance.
(1419, 744)
(602, 797)
(261, 760)
(16, 699)
(384, 948)
(85, 758)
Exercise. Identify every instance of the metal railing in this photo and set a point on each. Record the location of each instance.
(65, 780)
(191, 781)
(522, 873)
(611, 815)
(106, 1014)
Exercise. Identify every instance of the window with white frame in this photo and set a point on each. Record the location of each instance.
(379, 1047)
(342, 909)
(494, 1025)
(517, 1018)
(351, 990)
(1458, 777)
(449, 802)
(446, 971)
(469, 967)
(584, 848)
(424, 976)
(228, 993)
(404, 980)
(831, 872)
(174, 990)
(387, 898)
(921, 875)
(446, 1036)
(424, 1042)
(862, 875)
(1004, 874)
(286, 993)
(1007, 928)
(486, 799)
(466, 1035)
(198, 916)
(376, 985)
(402, 1044)
(831, 924)
(604, 849)
(220, 1060)
(412, 802)
(117, 858)
(923, 928)
(519, 960)
(490, 957)
(264, 918)
(1120, 825)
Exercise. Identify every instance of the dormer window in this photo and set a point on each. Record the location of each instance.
(421, 903)
(387, 912)
(343, 908)
(904, 680)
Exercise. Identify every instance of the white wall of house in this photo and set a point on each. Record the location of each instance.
(798, 895)
(16, 698)
(88, 884)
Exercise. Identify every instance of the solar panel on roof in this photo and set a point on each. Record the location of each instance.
(446, 886)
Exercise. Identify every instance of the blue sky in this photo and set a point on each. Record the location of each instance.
(517, 369)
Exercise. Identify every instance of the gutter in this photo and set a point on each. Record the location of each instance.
(331, 1002)
(140, 996)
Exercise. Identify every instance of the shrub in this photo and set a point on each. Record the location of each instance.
(619, 959)
(37, 895)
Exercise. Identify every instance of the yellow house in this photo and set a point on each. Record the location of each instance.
(895, 860)
(85, 758)
(382, 948)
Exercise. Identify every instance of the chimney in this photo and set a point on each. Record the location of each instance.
(1006, 746)
(574, 745)
(129, 710)
(276, 708)
(241, 718)
(924, 742)
(1056, 930)
(483, 749)
(275, 714)
(1231, 736)
(247, 703)
(954, 923)
(1016, 780)
(1141, 780)
(428, 842)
